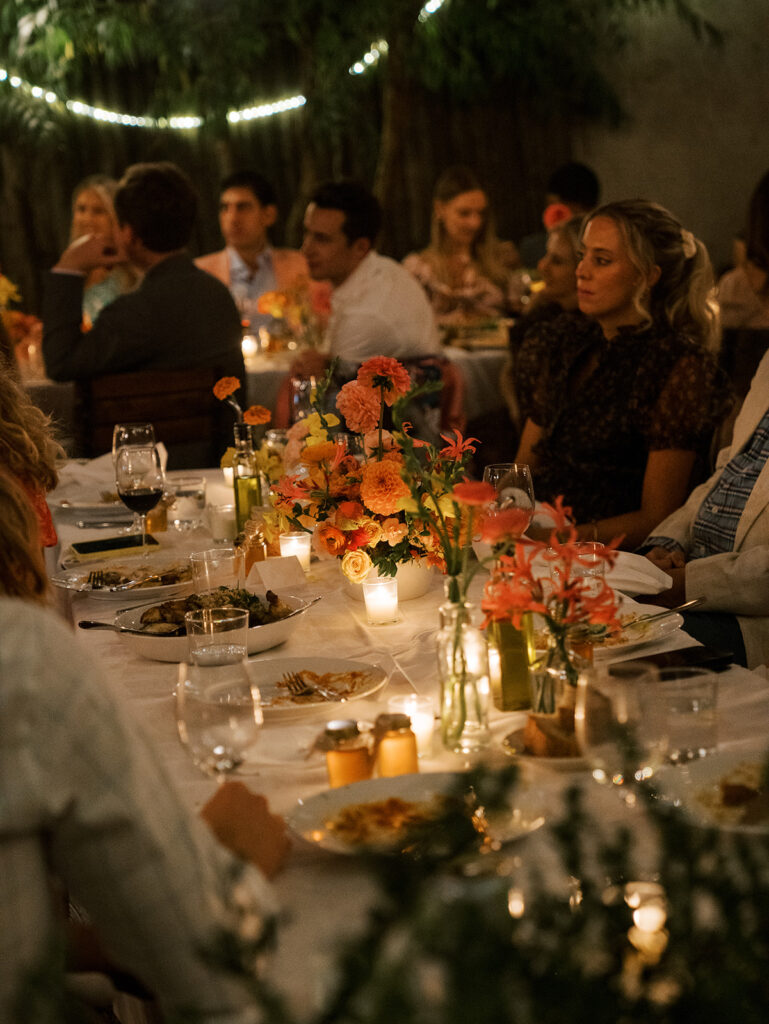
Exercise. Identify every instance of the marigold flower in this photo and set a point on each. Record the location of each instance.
(316, 453)
(382, 487)
(359, 406)
(474, 492)
(256, 415)
(387, 374)
(225, 387)
(356, 565)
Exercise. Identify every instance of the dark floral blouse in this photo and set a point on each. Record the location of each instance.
(649, 390)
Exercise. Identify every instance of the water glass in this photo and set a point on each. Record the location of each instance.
(513, 484)
(218, 567)
(690, 697)
(218, 707)
(186, 512)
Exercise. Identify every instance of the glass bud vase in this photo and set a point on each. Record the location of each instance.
(246, 479)
(463, 674)
(553, 680)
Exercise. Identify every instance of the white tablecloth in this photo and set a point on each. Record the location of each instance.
(325, 895)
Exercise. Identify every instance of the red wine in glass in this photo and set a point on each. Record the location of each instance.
(142, 499)
(139, 480)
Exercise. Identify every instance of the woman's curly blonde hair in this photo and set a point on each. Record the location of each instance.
(22, 572)
(28, 449)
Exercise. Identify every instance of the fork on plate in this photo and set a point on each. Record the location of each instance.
(299, 687)
(96, 579)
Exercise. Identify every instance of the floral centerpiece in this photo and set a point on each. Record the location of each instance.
(304, 310)
(24, 330)
(358, 508)
(571, 604)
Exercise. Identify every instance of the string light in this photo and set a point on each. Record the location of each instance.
(190, 122)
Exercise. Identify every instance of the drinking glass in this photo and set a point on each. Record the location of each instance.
(514, 487)
(218, 707)
(218, 567)
(140, 481)
(689, 695)
(126, 435)
(621, 724)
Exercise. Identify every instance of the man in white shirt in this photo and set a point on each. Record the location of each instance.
(377, 307)
(249, 266)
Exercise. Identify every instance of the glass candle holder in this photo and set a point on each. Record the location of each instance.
(297, 544)
(381, 597)
(422, 714)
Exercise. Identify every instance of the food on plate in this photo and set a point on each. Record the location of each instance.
(631, 631)
(110, 497)
(385, 822)
(118, 576)
(167, 619)
(738, 797)
(337, 685)
(551, 735)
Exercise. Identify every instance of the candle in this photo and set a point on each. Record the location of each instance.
(381, 597)
(422, 714)
(297, 544)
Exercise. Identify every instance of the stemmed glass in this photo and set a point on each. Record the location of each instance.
(127, 435)
(140, 481)
(218, 708)
(514, 487)
(621, 724)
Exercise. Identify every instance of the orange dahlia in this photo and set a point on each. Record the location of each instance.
(382, 488)
(386, 373)
(225, 387)
(359, 406)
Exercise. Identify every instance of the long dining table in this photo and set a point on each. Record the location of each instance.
(325, 895)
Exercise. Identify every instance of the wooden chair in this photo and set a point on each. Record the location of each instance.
(194, 426)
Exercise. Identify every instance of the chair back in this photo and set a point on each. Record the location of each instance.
(193, 425)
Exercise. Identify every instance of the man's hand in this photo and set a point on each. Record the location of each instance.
(88, 252)
(241, 821)
(665, 559)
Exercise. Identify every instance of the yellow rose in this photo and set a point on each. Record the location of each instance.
(356, 565)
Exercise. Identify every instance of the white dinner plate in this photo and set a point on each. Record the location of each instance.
(696, 787)
(636, 637)
(76, 578)
(513, 745)
(277, 702)
(311, 817)
(95, 507)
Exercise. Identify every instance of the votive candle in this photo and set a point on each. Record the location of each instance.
(422, 714)
(297, 544)
(381, 597)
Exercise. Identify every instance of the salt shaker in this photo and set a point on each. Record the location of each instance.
(396, 745)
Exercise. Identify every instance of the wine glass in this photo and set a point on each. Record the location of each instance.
(139, 479)
(621, 724)
(127, 435)
(218, 708)
(515, 489)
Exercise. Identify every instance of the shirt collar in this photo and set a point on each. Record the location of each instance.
(240, 270)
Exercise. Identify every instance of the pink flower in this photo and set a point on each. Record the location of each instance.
(360, 407)
(393, 530)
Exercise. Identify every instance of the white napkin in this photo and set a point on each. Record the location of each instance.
(635, 574)
(82, 483)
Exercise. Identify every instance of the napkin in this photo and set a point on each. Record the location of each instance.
(82, 483)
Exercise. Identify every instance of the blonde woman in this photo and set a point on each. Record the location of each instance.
(628, 394)
(93, 213)
(29, 451)
(461, 269)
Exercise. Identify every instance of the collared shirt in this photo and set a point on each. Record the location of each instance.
(247, 285)
(715, 527)
(83, 794)
(381, 310)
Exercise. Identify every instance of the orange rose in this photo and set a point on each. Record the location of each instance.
(225, 387)
(328, 539)
(256, 415)
(356, 565)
